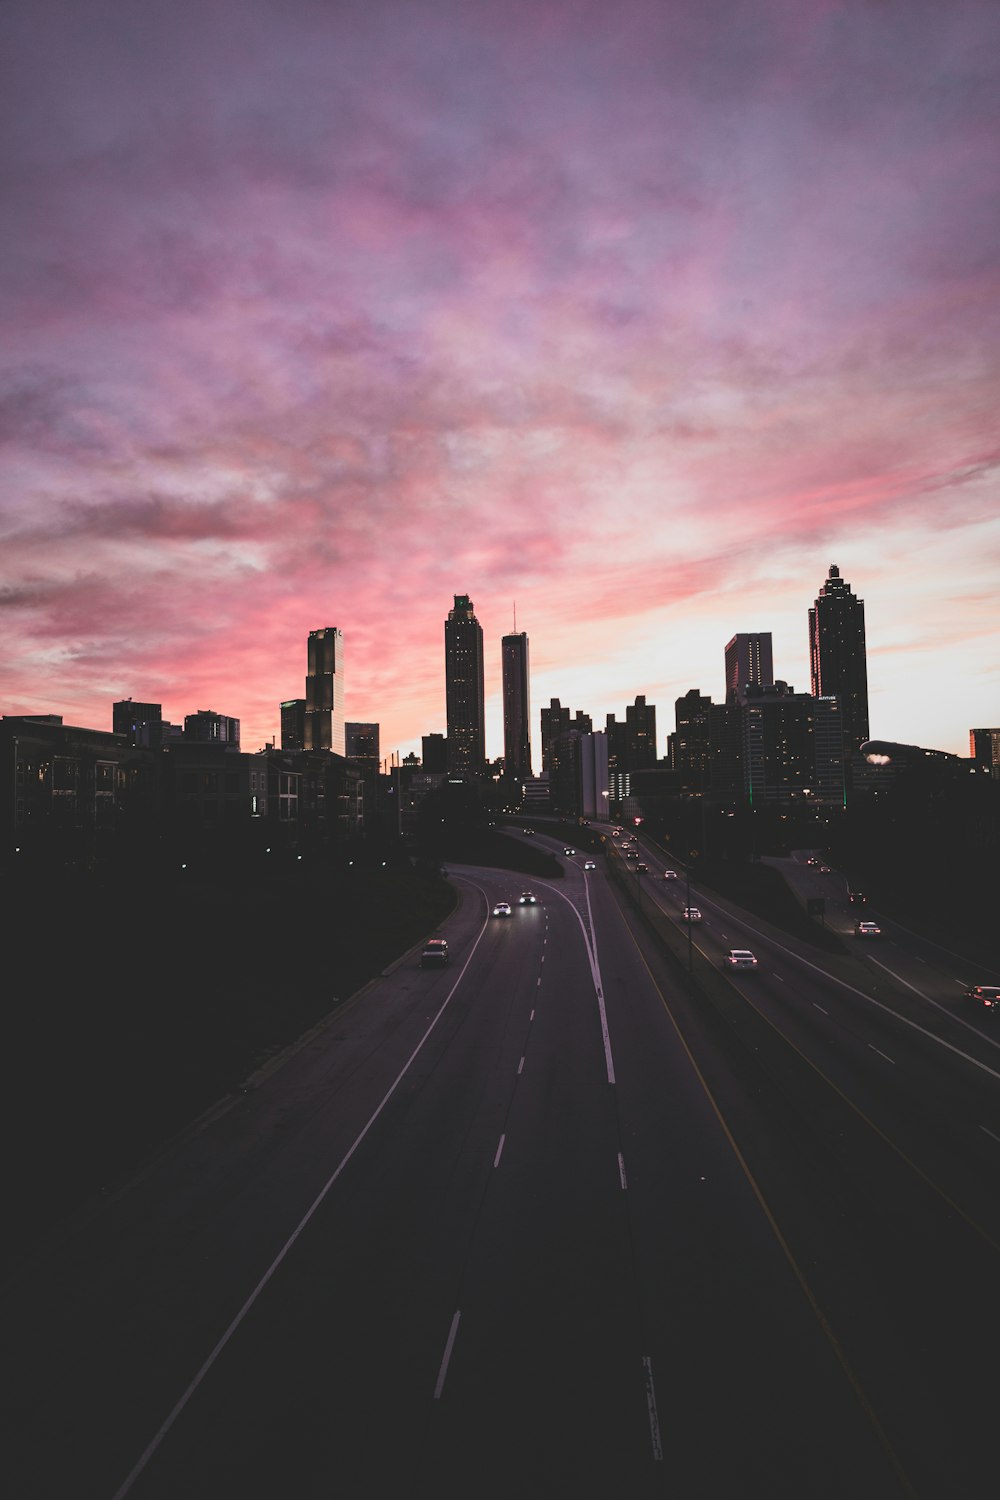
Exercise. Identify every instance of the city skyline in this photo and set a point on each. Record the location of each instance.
(639, 319)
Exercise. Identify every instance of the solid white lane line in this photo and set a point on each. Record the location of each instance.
(496, 1159)
(621, 1172)
(606, 1036)
(447, 1356)
(654, 1420)
(519, 1067)
(883, 1054)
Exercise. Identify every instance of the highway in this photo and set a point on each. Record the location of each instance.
(547, 1222)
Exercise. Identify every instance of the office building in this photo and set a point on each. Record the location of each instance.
(361, 744)
(464, 689)
(640, 734)
(293, 724)
(689, 743)
(748, 659)
(838, 664)
(792, 747)
(324, 716)
(516, 706)
(554, 721)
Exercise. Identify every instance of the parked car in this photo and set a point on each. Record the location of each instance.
(692, 914)
(867, 930)
(527, 898)
(740, 958)
(984, 996)
(502, 909)
(435, 953)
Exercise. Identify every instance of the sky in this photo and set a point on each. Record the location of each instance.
(633, 319)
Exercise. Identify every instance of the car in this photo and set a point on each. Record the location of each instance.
(824, 869)
(502, 909)
(670, 874)
(569, 851)
(984, 996)
(812, 860)
(740, 958)
(589, 864)
(856, 897)
(642, 867)
(691, 914)
(527, 830)
(435, 953)
(631, 854)
(527, 898)
(867, 930)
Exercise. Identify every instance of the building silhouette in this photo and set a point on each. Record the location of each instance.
(324, 713)
(361, 743)
(516, 706)
(748, 659)
(293, 724)
(464, 689)
(689, 744)
(838, 664)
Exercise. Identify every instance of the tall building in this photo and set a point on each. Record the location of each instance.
(640, 731)
(516, 709)
(293, 724)
(555, 721)
(689, 743)
(464, 688)
(792, 749)
(361, 743)
(748, 659)
(838, 664)
(324, 718)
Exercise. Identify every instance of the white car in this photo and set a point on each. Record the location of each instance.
(502, 909)
(670, 874)
(692, 914)
(527, 898)
(740, 958)
(589, 864)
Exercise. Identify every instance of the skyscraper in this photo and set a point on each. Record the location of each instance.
(464, 690)
(748, 659)
(516, 710)
(324, 718)
(838, 663)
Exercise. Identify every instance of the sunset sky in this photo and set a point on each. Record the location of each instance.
(638, 316)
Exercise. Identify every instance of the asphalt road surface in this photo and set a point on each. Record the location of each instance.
(543, 1223)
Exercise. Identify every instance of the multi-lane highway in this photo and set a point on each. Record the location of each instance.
(550, 1221)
